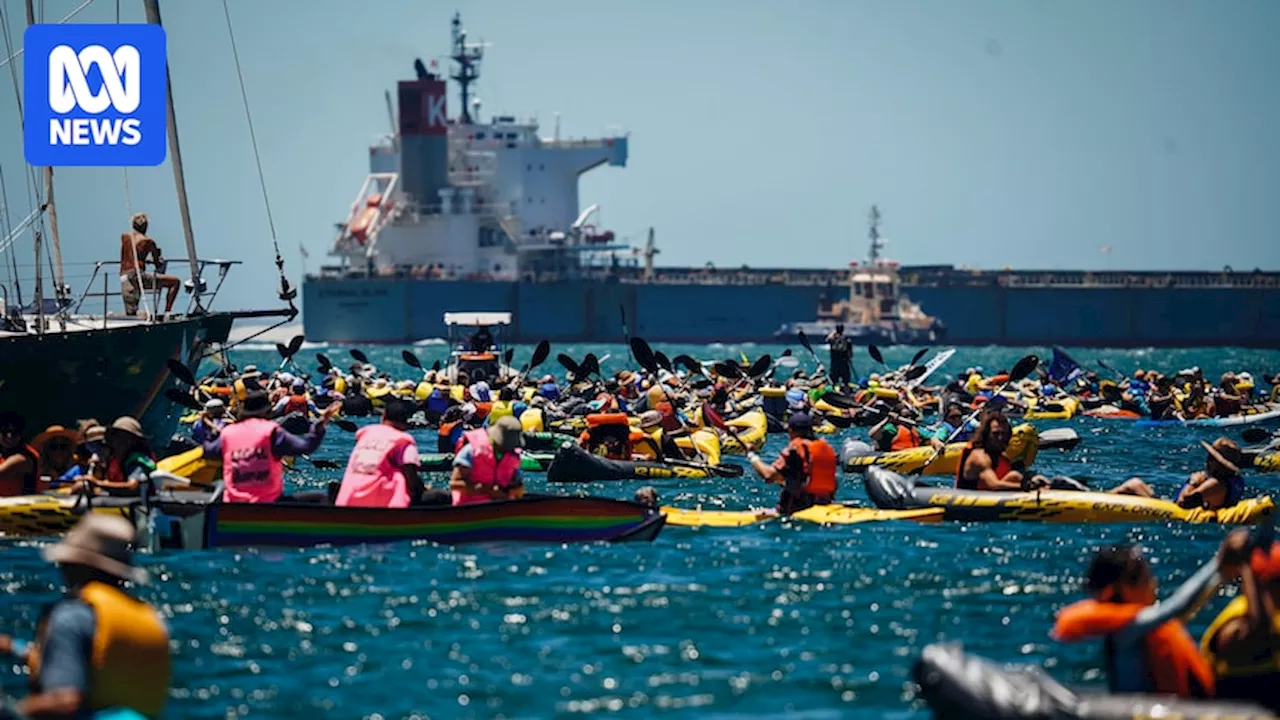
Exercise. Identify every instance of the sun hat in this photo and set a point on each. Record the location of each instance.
(507, 433)
(128, 426)
(55, 431)
(650, 418)
(101, 542)
(255, 405)
(1226, 452)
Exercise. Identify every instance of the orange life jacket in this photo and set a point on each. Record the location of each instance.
(26, 483)
(907, 438)
(820, 465)
(1174, 661)
(1003, 467)
(297, 404)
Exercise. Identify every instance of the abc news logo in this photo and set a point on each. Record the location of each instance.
(96, 95)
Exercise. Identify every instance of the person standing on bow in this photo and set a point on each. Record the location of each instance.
(487, 467)
(806, 469)
(254, 448)
(100, 649)
(383, 469)
(841, 348)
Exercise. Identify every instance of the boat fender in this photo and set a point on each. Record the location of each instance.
(853, 448)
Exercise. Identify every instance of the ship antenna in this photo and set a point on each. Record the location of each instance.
(874, 233)
(468, 58)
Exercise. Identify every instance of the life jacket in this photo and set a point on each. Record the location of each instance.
(119, 471)
(907, 438)
(1174, 663)
(373, 477)
(297, 404)
(450, 437)
(250, 472)
(130, 654)
(1003, 467)
(438, 400)
(609, 435)
(482, 410)
(501, 409)
(1258, 680)
(486, 468)
(819, 465)
(550, 391)
(670, 421)
(27, 482)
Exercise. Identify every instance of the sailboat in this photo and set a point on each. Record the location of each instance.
(70, 357)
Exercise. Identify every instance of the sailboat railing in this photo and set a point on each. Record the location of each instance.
(150, 294)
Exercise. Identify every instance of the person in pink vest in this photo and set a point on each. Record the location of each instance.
(253, 451)
(488, 465)
(383, 469)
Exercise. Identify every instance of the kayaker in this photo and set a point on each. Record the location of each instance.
(19, 463)
(647, 496)
(253, 451)
(896, 431)
(129, 461)
(977, 470)
(211, 421)
(660, 444)
(841, 356)
(101, 649)
(135, 249)
(951, 422)
(487, 467)
(295, 400)
(89, 458)
(56, 448)
(806, 468)
(1161, 401)
(1227, 401)
(1220, 484)
(1148, 649)
(383, 468)
(1242, 644)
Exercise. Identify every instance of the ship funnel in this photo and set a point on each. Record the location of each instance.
(424, 138)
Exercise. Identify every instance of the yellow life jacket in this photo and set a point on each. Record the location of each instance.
(500, 409)
(130, 659)
(1238, 608)
(340, 384)
(423, 391)
(647, 443)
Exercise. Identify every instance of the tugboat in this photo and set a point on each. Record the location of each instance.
(876, 312)
(475, 345)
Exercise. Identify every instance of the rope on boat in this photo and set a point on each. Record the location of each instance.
(287, 293)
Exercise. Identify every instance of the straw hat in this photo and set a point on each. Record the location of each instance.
(128, 426)
(101, 542)
(1226, 452)
(255, 405)
(54, 431)
(650, 419)
(507, 433)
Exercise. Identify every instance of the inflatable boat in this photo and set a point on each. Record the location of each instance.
(956, 684)
(891, 491)
(820, 514)
(856, 455)
(574, 464)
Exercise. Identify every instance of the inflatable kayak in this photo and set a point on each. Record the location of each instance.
(574, 464)
(1059, 409)
(958, 685)
(1111, 412)
(443, 462)
(1267, 462)
(703, 443)
(891, 491)
(856, 455)
(1256, 414)
(821, 514)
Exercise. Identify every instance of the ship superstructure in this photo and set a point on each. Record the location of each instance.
(461, 198)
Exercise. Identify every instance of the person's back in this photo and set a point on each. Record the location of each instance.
(375, 475)
(250, 472)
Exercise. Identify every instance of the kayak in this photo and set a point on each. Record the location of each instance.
(821, 514)
(856, 455)
(443, 462)
(1111, 412)
(891, 491)
(1267, 462)
(1255, 414)
(574, 464)
(956, 684)
(36, 515)
(1058, 409)
(197, 523)
(706, 442)
(545, 441)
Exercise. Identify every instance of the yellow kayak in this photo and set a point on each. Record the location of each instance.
(820, 514)
(1267, 462)
(48, 514)
(1023, 447)
(1058, 409)
(705, 441)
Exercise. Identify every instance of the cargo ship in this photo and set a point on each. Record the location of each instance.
(462, 214)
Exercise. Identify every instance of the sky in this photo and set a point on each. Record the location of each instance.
(990, 133)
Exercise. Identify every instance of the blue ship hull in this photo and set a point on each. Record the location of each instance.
(364, 311)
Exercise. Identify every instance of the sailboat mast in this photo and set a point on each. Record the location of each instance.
(175, 158)
(54, 244)
(39, 279)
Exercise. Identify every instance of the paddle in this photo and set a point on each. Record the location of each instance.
(570, 364)
(177, 397)
(1103, 364)
(1023, 368)
(506, 356)
(359, 356)
(804, 340)
(591, 365)
(324, 363)
(651, 362)
(181, 372)
(919, 354)
(874, 352)
(540, 354)
(664, 362)
(322, 464)
(760, 367)
(693, 366)
(288, 351)
(410, 359)
(346, 425)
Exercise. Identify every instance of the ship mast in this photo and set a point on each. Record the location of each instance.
(175, 155)
(468, 58)
(874, 233)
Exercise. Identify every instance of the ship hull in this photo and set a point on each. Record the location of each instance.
(363, 311)
(60, 378)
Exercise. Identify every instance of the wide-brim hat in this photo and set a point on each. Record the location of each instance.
(55, 431)
(127, 426)
(1231, 464)
(507, 433)
(101, 542)
(650, 418)
(255, 405)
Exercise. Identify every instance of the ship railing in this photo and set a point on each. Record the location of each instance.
(410, 212)
(587, 143)
(150, 299)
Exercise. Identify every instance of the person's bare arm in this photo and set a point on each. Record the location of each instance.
(15, 466)
(980, 461)
(60, 703)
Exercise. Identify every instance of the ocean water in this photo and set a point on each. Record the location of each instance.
(766, 621)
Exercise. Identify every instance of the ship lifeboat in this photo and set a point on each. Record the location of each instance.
(359, 228)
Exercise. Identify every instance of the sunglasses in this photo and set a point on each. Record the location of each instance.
(10, 431)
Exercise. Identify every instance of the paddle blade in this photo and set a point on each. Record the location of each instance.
(359, 356)
(688, 363)
(295, 344)
(664, 362)
(177, 397)
(436, 366)
(727, 470)
(506, 356)
(728, 370)
(804, 340)
(786, 353)
(916, 371)
(1255, 435)
(760, 366)
(283, 350)
(643, 354)
(345, 425)
(840, 400)
(540, 354)
(591, 364)
(324, 363)
(569, 364)
(874, 352)
(919, 354)
(1024, 368)
(180, 371)
(410, 359)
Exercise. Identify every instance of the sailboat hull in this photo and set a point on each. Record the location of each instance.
(61, 377)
